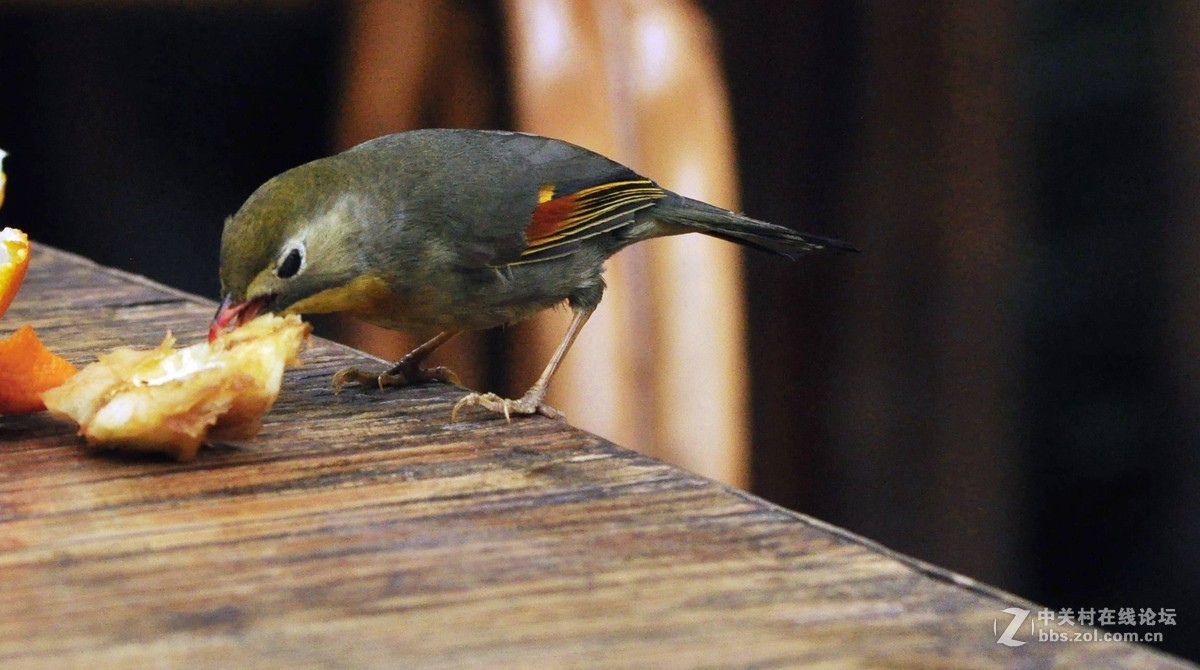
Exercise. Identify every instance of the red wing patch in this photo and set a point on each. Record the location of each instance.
(549, 217)
(560, 222)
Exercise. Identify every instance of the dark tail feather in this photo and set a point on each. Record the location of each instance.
(726, 225)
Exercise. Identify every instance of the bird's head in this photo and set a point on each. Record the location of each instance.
(290, 248)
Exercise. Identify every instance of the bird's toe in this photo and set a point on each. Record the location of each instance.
(506, 406)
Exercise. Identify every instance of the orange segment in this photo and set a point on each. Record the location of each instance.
(14, 260)
(2, 178)
(26, 369)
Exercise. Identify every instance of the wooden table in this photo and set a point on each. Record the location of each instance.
(364, 530)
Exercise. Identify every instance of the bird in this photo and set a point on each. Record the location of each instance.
(451, 230)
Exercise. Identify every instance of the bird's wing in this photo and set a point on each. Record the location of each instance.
(569, 212)
(519, 198)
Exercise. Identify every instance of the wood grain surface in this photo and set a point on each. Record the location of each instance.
(365, 530)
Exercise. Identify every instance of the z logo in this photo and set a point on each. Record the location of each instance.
(1018, 617)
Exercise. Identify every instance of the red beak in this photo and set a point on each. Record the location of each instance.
(236, 313)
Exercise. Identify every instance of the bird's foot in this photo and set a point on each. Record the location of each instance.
(401, 375)
(530, 403)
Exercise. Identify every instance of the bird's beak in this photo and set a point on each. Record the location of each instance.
(236, 313)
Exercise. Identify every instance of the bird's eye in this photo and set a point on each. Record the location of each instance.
(290, 265)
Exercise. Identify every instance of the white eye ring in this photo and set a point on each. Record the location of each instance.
(291, 263)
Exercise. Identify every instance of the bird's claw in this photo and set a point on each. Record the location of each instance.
(421, 375)
(527, 404)
(393, 377)
(354, 376)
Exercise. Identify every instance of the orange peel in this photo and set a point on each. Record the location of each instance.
(171, 401)
(27, 368)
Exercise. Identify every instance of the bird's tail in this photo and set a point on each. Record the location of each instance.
(705, 218)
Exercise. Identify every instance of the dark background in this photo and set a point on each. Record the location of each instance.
(1006, 382)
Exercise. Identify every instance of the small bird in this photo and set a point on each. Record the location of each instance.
(450, 230)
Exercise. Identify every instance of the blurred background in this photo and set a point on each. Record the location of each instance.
(1006, 382)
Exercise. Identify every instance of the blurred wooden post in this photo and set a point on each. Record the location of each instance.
(663, 361)
(684, 131)
(925, 403)
(561, 88)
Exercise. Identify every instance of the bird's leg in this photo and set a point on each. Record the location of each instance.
(406, 371)
(531, 402)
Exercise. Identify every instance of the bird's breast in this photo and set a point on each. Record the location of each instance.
(456, 299)
(365, 294)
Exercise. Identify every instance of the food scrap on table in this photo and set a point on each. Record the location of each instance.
(28, 368)
(170, 401)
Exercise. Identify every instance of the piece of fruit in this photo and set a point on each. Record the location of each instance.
(3, 179)
(27, 368)
(14, 260)
(170, 401)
